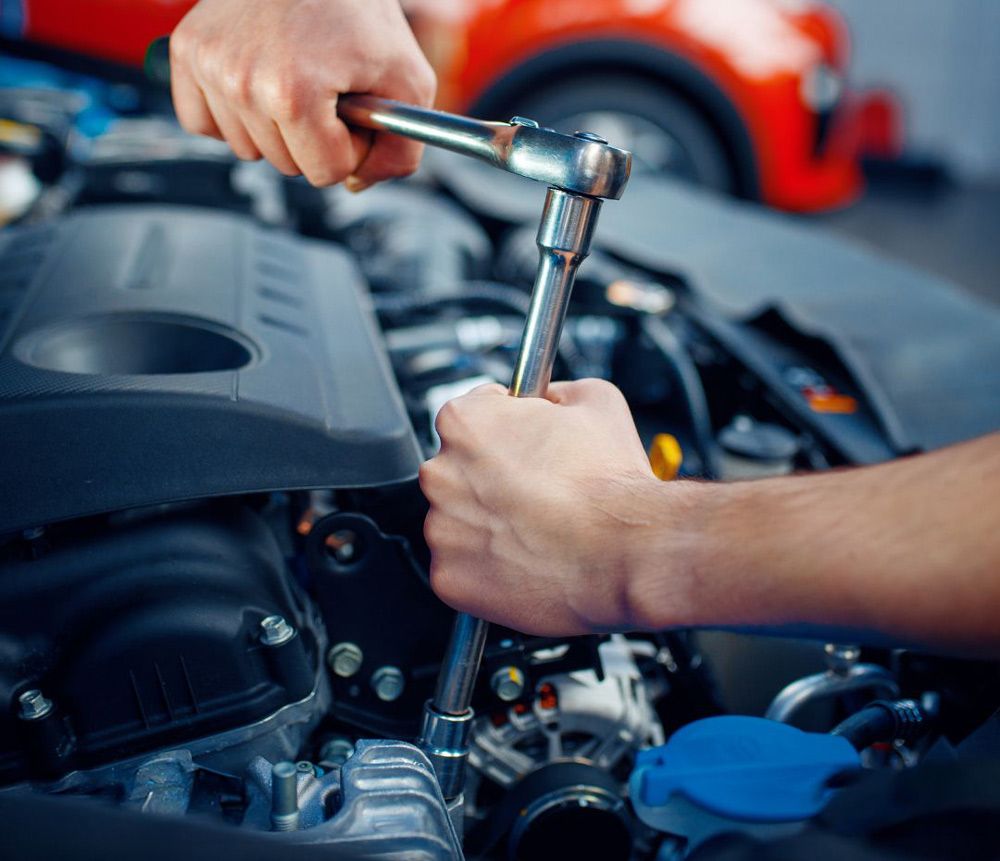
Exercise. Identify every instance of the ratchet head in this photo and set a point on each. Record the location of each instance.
(582, 163)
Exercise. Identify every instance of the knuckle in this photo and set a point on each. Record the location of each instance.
(237, 84)
(286, 95)
(180, 45)
(449, 418)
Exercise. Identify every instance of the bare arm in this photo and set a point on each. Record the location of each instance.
(545, 517)
(265, 75)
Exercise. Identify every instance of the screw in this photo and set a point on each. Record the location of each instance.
(840, 658)
(284, 797)
(275, 631)
(34, 705)
(508, 683)
(589, 136)
(524, 121)
(388, 683)
(345, 659)
(337, 750)
(305, 767)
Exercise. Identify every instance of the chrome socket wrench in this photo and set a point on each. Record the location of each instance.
(580, 170)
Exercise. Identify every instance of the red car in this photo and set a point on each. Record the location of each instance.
(743, 96)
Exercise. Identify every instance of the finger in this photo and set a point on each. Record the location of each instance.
(190, 105)
(268, 140)
(390, 156)
(232, 129)
(324, 148)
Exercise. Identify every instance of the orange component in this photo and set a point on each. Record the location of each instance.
(750, 67)
(547, 697)
(831, 402)
(665, 456)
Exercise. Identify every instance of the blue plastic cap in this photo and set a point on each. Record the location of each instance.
(743, 768)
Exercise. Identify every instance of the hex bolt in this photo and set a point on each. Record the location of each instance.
(34, 705)
(345, 659)
(388, 683)
(275, 631)
(841, 658)
(589, 136)
(284, 796)
(507, 683)
(337, 750)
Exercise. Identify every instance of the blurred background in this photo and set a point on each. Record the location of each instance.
(875, 118)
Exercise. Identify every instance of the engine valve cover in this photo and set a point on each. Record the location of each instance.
(151, 354)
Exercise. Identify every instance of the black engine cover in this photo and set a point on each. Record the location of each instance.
(151, 354)
(146, 634)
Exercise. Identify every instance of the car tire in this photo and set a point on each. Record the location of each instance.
(634, 110)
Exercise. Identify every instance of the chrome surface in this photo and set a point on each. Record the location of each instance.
(843, 675)
(445, 741)
(461, 662)
(564, 237)
(579, 165)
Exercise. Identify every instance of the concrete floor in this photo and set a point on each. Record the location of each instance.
(936, 225)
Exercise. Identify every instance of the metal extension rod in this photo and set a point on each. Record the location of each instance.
(579, 169)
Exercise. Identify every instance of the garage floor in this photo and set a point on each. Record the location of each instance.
(927, 220)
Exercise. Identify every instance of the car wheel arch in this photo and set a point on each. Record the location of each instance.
(643, 60)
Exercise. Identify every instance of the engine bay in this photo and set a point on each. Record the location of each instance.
(216, 388)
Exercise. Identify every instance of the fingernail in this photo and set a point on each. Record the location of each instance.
(355, 184)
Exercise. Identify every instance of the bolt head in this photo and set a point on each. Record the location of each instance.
(345, 659)
(275, 631)
(34, 705)
(508, 683)
(840, 658)
(337, 750)
(589, 136)
(388, 683)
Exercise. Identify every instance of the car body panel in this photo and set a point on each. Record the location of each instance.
(758, 53)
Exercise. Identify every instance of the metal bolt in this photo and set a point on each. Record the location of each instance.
(589, 136)
(284, 797)
(34, 705)
(337, 750)
(508, 683)
(840, 658)
(275, 631)
(345, 659)
(303, 766)
(388, 683)
(524, 121)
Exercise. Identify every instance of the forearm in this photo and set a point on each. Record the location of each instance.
(907, 551)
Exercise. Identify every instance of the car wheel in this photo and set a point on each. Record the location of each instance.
(662, 130)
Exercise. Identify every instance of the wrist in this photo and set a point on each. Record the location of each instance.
(670, 557)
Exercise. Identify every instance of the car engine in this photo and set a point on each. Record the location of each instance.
(216, 388)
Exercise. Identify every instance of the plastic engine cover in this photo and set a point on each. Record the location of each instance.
(152, 353)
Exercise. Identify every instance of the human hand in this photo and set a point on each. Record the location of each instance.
(536, 504)
(265, 75)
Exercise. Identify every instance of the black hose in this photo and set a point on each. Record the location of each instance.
(686, 375)
(884, 721)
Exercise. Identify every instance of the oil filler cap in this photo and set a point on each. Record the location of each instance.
(741, 768)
